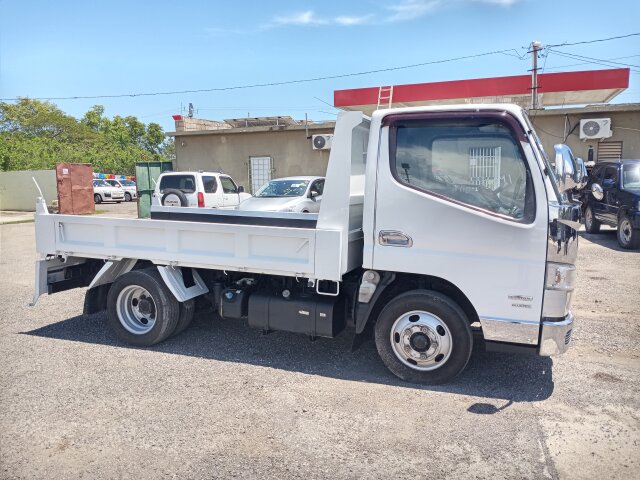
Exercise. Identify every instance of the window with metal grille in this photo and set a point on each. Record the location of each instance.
(484, 166)
(609, 151)
(259, 172)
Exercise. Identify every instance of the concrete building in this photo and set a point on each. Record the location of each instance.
(252, 151)
(562, 125)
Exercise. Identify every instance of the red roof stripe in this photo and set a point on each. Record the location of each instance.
(488, 87)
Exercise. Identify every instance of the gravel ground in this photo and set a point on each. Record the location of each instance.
(222, 401)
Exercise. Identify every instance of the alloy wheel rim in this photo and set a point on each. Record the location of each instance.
(421, 340)
(625, 231)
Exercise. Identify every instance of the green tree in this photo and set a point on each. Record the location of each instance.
(37, 135)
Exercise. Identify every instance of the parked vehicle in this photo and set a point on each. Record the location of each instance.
(612, 197)
(291, 194)
(452, 216)
(103, 192)
(127, 186)
(198, 189)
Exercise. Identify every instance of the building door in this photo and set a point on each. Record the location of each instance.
(259, 172)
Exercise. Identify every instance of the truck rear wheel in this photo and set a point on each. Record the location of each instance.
(187, 311)
(141, 309)
(423, 337)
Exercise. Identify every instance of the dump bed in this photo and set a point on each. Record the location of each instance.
(322, 246)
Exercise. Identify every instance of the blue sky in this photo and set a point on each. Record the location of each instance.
(83, 48)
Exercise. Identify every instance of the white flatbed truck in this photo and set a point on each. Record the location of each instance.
(433, 219)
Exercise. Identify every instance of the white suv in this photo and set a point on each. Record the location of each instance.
(103, 192)
(198, 189)
(128, 186)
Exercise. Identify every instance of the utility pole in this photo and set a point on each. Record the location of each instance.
(535, 47)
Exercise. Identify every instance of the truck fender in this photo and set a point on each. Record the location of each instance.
(184, 283)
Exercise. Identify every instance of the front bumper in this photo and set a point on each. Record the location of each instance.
(555, 336)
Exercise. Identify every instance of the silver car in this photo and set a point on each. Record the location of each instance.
(291, 194)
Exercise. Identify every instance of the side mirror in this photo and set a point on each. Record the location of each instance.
(583, 174)
(569, 170)
(240, 189)
(597, 191)
(313, 194)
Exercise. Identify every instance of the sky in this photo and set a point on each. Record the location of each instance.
(92, 48)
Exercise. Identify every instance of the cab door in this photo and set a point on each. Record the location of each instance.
(212, 197)
(230, 195)
(460, 197)
(610, 204)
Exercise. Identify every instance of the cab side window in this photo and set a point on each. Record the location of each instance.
(228, 186)
(610, 179)
(478, 163)
(318, 186)
(210, 184)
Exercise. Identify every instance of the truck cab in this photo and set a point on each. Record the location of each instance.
(435, 222)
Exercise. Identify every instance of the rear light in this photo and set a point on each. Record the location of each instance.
(200, 200)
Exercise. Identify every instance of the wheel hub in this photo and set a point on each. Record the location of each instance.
(136, 309)
(421, 340)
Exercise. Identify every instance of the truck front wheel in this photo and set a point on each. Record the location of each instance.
(141, 309)
(423, 337)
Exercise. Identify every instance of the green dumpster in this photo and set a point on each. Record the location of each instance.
(147, 174)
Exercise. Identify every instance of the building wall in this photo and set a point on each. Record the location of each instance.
(625, 128)
(290, 150)
(18, 192)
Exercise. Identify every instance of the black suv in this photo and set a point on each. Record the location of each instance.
(612, 197)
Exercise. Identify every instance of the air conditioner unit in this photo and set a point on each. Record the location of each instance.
(594, 128)
(322, 142)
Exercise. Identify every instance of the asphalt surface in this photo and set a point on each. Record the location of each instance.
(223, 401)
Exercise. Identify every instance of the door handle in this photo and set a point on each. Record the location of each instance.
(393, 238)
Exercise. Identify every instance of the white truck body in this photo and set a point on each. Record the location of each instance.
(368, 221)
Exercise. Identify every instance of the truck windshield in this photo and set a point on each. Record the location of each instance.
(631, 177)
(283, 188)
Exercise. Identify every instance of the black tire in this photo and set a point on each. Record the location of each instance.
(178, 193)
(97, 198)
(118, 201)
(591, 224)
(628, 237)
(429, 304)
(187, 311)
(127, 197)
(163, 308)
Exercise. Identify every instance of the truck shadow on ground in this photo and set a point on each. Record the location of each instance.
(607, 238)
(514, 378)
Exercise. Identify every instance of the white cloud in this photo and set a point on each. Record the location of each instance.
(412, 9)
(302, 18)
(348, 21)
(499, 3)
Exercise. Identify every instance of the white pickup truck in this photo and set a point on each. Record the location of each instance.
(435, 221)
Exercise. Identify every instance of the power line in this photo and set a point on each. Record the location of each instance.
(566, 44)
(269, 84)
(587, 63)
(597, 61)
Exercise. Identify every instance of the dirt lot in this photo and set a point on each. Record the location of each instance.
(222, 401)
